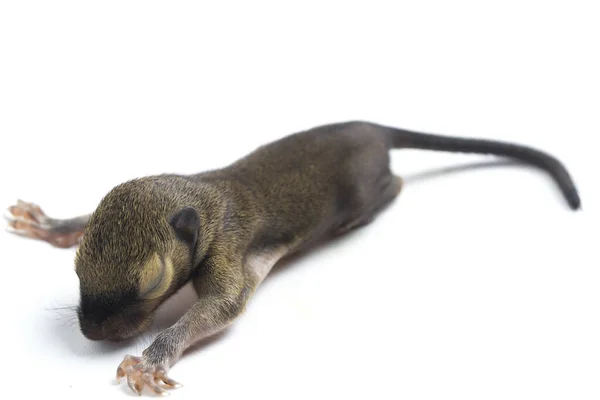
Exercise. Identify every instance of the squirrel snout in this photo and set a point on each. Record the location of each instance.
(114, 330)
(92, 331)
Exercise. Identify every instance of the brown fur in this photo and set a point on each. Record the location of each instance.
(150, 236)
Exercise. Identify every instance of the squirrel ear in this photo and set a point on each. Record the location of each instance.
(186, 223)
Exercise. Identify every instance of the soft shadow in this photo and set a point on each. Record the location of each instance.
(65, 326)
(327, 244)
(170, 311)
(70, 335)
(174, 307)
(442, 172)
(207, 341)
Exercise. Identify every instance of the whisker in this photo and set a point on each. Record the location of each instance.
(69, 310)
(66, 315)
(68, 319)
(72, 307)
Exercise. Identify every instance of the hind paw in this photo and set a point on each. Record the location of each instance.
(29, 220)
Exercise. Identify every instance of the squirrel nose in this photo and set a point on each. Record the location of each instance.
(93, 331)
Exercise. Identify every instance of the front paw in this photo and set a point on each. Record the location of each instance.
(141, 373)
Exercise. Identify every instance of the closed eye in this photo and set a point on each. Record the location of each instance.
(156, 281)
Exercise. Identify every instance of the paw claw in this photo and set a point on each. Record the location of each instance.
(8, 215)
(140, 374)
(120, 374)
(134, 384)
(30, 221)
(26, 219)
(171, 383)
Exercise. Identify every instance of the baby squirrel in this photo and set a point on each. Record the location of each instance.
(225, 229)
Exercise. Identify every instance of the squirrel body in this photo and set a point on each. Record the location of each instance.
(225, 229)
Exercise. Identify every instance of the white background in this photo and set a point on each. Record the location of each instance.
(476, 284)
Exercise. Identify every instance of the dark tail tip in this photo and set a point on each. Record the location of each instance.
(573, 199)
